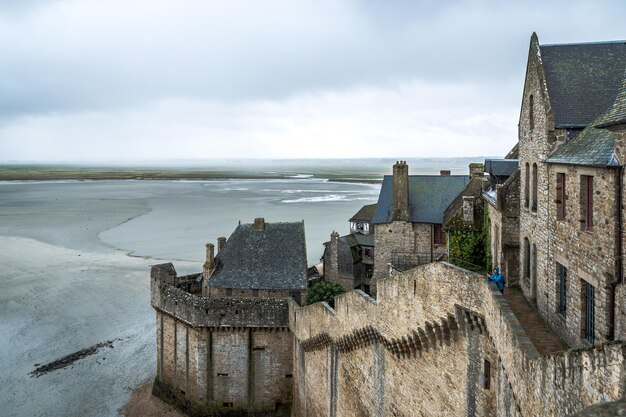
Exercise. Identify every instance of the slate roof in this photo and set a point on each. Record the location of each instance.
(592, 147)
(582, 79)
(365, 213)
(274, 258)
(617, 113)
(429, 196)
(455, 208)
(501, 167)
(359, 239)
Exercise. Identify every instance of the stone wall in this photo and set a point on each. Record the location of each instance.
(430, 331)
(587, 255)
(504, 228)
(221, 356)
(400, 236)
(247, 293)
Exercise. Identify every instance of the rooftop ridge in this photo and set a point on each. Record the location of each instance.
(583, 43)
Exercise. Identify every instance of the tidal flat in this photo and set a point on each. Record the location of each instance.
(75, 262)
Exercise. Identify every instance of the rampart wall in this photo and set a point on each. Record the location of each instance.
(221, 356)
(423, 346)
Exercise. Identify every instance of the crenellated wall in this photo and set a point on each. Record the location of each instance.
(422, 348)
(221, 356)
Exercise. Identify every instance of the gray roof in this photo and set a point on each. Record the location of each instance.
(593, 147)
(582, 79)
(429, 196)
(617, 113)
(501, 167)
(358, 239)
(274, 258)
(365, 213)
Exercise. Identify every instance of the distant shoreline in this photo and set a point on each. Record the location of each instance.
(90, 174)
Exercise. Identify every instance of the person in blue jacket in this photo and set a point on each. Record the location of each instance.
(498, 279)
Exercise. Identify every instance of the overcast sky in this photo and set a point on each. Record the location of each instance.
(101, 81)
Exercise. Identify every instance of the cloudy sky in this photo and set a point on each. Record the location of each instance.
(132, 80)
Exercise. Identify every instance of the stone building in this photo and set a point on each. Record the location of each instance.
(408, 222)
(223, 342)
(439, 340)
(349, 260)
(465, 216)
(502, 198)
(571, 184)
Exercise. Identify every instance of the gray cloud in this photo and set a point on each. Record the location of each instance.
(65, 60)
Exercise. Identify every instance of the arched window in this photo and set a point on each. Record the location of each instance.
(531, 112)
(534, 188)
(526, 185)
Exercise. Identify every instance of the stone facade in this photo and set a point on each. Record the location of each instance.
(450, 347)
(549, 243)
(220, 356)
(504, 228)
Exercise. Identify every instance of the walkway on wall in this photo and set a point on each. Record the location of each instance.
(543, 338)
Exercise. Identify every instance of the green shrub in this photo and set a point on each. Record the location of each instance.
(324, 291)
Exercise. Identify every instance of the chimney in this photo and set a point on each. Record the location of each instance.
(259, 224)
(331, 264)
(221, 241)
(210, 260)
(400, 191)
(445, 172)
(476, 170)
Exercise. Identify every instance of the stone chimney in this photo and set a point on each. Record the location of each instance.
(445, 172)
(476, 170)
(221, 241)
(331, 266)
(210, 260)
(468, 209)
(259, 224)
(400, 191)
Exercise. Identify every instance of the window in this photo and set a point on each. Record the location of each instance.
(586, 202)
(487, 374)
(560, 196)
(588, 313)
(534, 271)
(526, 259)
(534, 186)
(527, 185)
(229, 292)
(439, 236)
(255, 292)
(562, 274)
(531, 112)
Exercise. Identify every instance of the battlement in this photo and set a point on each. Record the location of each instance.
(422, 311)
(199, 311)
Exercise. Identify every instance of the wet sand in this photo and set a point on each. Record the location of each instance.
(143, 404)
(75, 260)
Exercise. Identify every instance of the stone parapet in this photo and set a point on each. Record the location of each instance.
(423, 307)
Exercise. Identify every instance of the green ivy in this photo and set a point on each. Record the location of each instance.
(471, 249)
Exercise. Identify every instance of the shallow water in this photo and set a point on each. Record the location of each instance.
(75, 259)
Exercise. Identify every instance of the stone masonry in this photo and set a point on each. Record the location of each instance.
(216, 356)
(450, 347)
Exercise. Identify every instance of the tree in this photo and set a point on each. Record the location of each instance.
(324, 291)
